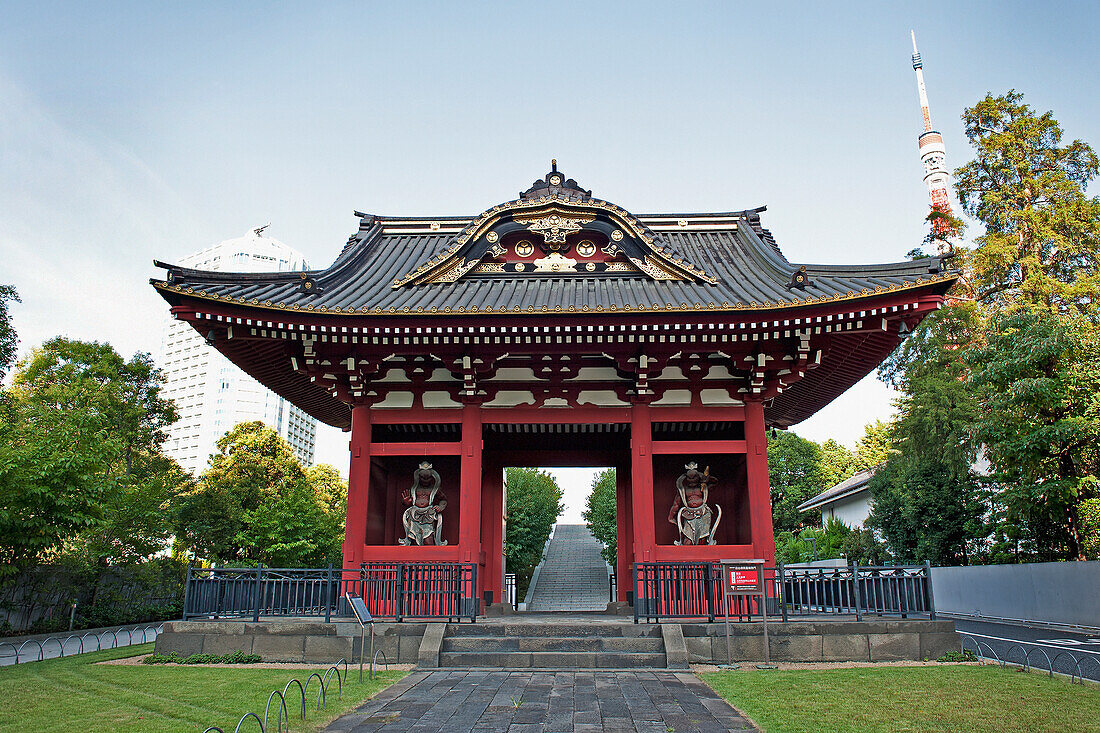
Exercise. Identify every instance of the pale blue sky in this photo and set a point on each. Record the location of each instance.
(141, 130)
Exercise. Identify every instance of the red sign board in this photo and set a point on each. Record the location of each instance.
(743, 578)
(748, 578)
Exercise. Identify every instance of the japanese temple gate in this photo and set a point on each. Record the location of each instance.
(558, 329)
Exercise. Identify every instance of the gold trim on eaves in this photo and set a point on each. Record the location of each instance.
(517, 310)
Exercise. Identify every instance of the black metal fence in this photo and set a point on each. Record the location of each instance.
(693, 590)
(391, 591)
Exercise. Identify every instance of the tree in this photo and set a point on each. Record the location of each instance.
(600, 516)
(255, 503)
(77, 421)
(926, 510)
(1090, 525)
(52, 468)
(1038, 385)
(796, 473)
(874, 447)
(534, 503)
(9, 340)
(136, 513)
(122, 397)
(926, 499)
(1042, 232)
(837, 463)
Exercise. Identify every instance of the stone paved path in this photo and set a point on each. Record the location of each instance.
(574, 575)
(545, 702)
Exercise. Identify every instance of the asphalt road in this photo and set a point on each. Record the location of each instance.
(1038, 644)
(66, 644)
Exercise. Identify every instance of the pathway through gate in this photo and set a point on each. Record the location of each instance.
(574, 575)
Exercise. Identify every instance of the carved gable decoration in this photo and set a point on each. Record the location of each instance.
(555, 228)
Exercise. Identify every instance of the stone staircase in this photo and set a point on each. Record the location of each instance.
(553, 645)
(573, 575)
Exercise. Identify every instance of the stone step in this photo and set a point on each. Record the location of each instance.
(493, 644)
(555, 629)
(552, 660)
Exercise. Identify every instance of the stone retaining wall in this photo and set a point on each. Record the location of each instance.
(823, 641)
(290, 641)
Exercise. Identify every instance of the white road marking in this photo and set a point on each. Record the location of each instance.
(1073, 642)
(1024, 641)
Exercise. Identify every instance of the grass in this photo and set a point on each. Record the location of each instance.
(76, 694)
(910, 700)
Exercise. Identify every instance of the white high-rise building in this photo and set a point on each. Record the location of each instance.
(211, 393)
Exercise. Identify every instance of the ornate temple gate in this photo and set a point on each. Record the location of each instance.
(730, 440)
(559, 329)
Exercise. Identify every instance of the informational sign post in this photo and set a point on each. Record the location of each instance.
(362, 615)
(745, 578)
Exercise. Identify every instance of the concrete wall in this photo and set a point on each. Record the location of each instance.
(1052, 592)
(823, 641)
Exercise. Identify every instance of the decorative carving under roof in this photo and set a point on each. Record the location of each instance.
(599, 238)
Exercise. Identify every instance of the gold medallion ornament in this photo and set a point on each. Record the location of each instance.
(492, 237)
(524, 248)
(617, 235)
(554, 226)
(586, 248)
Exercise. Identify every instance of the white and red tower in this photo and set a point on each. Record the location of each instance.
(933, 154)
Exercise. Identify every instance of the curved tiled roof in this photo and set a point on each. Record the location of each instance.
(403, 271)
(748, 270)
(851, 485)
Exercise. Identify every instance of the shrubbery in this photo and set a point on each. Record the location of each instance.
(237, 657)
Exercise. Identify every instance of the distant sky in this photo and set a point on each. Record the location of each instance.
(136, 131)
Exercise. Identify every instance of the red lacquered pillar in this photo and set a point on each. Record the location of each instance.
(760, 497)
(469, 523)
(492, 533)
(641, 482)
(355, 526)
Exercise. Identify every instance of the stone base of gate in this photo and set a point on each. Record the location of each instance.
(292, 641)
(822, 641)
(401, 643)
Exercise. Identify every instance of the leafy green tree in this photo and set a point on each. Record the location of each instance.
(1042, 231)
(82, 430)
(534, 503)
(862, 547)
(926, 510)
(874, 447)
(796, 473)
(136, 513)
(600, 514)
(1090, 526)
(9, 340)
(1038, 385)
(293, 529)
(927, 502)
(52, 480)
(837, 463)
(255, 503)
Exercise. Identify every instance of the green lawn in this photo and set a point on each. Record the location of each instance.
(77, 694)
(910, 699)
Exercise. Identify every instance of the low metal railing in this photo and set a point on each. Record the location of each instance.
(693, 590)
(391, 591)
(510, 590)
